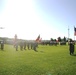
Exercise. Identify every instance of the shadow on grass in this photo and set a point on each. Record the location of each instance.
(74, 55)
(42, 51)
(2, 50)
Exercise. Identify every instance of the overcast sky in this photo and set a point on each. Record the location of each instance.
(29, 18)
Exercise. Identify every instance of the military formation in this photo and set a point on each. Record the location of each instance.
(26, 45)
(23, 45)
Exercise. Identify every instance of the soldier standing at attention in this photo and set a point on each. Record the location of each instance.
(21, 45)
(16, 46)
(28, 45)
(35, 46)
(2, 45)
(71, 47)
(31, 45)
(24, 45)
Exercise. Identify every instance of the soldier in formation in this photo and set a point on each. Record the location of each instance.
(71, 47)
(2, 45)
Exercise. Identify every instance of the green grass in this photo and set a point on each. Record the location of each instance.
(49, 60)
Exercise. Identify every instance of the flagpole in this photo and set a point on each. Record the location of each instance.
(68, 34)
(74, 33)
(74, 38)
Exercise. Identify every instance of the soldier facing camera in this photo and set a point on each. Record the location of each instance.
(71, 47)
(2, 45)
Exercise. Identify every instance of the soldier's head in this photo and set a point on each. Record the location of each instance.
(71, 40)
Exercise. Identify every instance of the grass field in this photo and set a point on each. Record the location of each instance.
(49, 60)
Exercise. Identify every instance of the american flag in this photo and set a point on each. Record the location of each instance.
(38, 38)
(74, 31)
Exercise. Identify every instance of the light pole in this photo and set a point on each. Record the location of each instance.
(68, 34)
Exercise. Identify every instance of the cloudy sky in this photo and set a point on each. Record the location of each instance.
(29, 18)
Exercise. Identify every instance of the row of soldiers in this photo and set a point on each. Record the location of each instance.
(24, 45)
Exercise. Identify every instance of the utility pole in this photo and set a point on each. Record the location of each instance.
(74, 32)
(68, 33)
